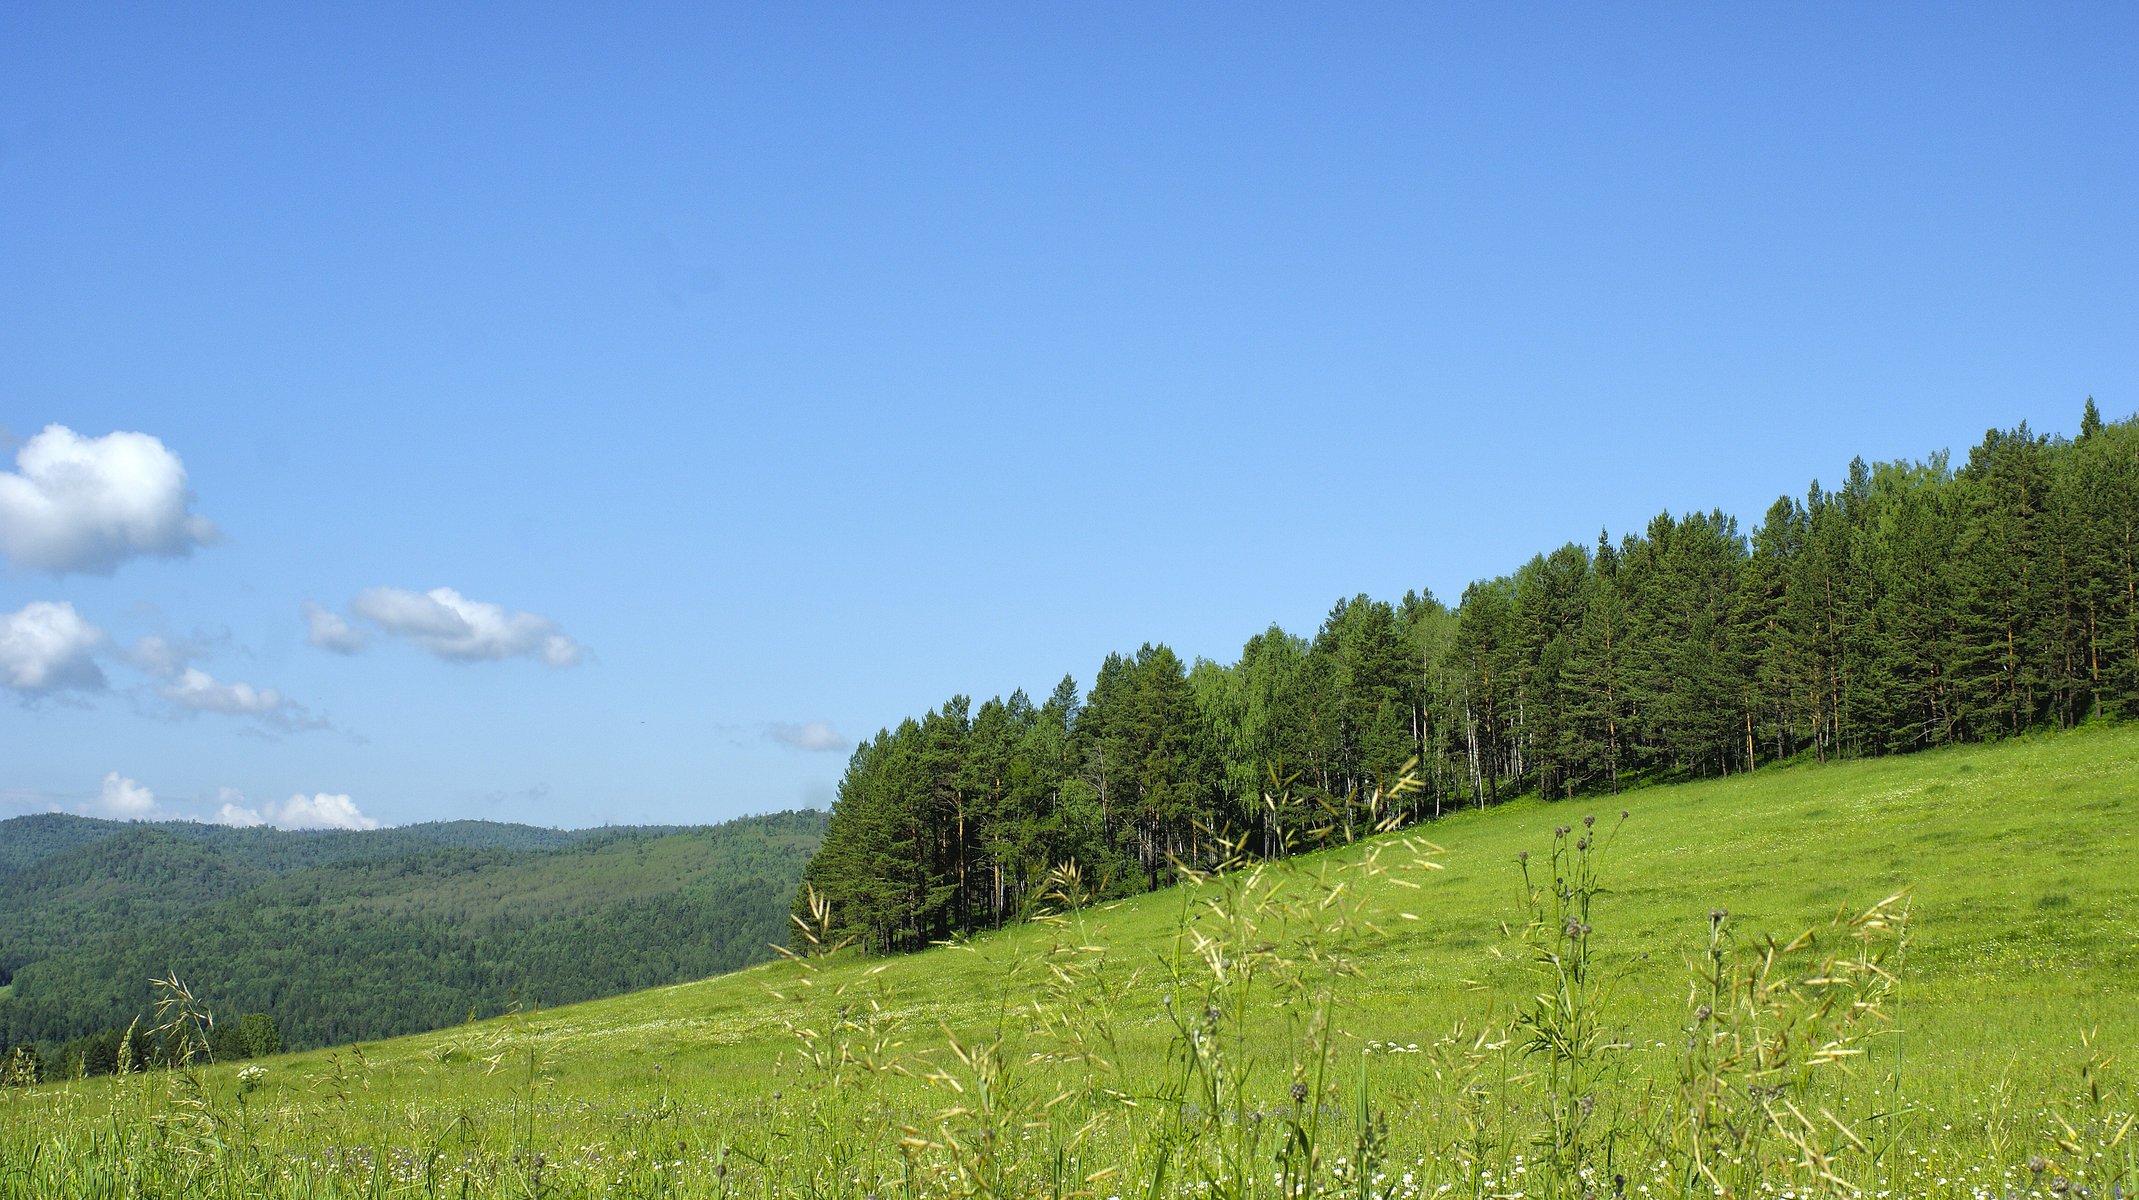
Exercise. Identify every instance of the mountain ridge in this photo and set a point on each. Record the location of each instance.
(340, 933)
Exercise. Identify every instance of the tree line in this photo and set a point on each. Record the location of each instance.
(138, 1048)
(1918, 604)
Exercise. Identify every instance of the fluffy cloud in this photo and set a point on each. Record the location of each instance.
(196, 690)
(191, 690)
(449, 625)
(233, 810)
(814, 736)
(124, 800)
(160, 655)
(326, 629)
(46, 646)
(320, 810)
(87, 504)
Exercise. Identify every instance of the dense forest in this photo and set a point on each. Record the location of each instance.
(321, 937)
(1918, 604)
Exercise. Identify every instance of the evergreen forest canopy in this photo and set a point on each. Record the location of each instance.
(335, 936)
(1917, 605)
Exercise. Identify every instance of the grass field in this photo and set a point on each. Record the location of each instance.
(1386, 1019)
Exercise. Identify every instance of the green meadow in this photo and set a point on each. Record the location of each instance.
(1630, 1011)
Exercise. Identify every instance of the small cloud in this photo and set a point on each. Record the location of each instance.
(195, 690)
(88, 504)
(191, 690)
(560, 651)
(448, 625)
(46, 646)
(327, 630)
(160, 656)
(813, 736)
(320, 810)
(122, 799)
(234, 811)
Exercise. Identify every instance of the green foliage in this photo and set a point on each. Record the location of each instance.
(258, 1036)
(328, 937)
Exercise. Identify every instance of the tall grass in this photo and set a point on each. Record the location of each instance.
(1230, 1059)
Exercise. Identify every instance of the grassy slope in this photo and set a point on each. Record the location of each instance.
(2026, 937)
(2026, 913)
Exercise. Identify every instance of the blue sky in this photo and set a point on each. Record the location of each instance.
(801, 366)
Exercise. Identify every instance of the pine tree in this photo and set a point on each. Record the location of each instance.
(1550, 603)
(1598, 672)
(1915, 523)
(1482, 661)
(1368, 671)
(2007, 614)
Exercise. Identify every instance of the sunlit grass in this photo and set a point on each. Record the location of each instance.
(1365, 1013)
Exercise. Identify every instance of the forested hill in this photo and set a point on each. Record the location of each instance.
(1918, 604)
(32, 839)
(347, 935)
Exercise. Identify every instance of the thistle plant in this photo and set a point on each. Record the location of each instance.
(1561, 1027)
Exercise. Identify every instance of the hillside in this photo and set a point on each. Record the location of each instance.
(1917, 605)
(358, 934)
(1388, 990)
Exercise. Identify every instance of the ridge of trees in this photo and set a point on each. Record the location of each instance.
(351, 935)
(1919, 604)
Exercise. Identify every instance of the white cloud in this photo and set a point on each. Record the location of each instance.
(320, 810)
(326, 629)
(561, 651)
(196, 690)
(237, 815)
(87, 504)
(814, 736)
(233, 810)
(46, 646)
(452, 626)
(159, 656)
(124, 800)
(191, 690)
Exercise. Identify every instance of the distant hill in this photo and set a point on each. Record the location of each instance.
(343, 935)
